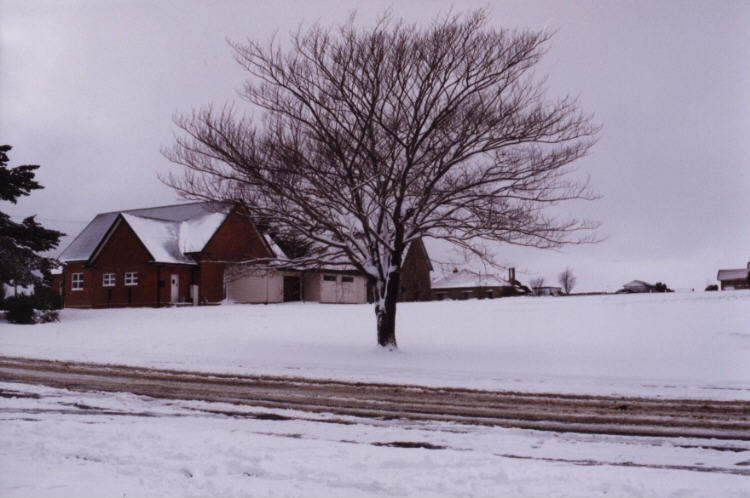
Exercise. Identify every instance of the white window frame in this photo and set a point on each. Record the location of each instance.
(108, 279)
(76, 281)
(131, 278)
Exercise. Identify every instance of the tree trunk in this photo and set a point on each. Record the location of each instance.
(385, 310)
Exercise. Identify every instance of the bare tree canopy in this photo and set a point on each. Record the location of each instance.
(567, 280)
(536, 283)
(369, 139)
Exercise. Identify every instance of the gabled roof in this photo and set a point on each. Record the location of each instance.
(275, 249)
(420, 246)
(466, 278)
(637, 284)
(334, 261)
(169, 233)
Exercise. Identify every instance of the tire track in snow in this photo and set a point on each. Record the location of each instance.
(588, 414)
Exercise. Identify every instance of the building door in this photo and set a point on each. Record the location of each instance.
(175, 295)
(291, 289)
(328, 288)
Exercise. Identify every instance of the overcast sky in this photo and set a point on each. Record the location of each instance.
(88, 90)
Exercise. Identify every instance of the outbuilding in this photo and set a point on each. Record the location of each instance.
(734, 279)
(466, 284)
(249, 284)
(637, 287)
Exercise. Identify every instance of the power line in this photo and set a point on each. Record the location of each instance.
(44, 218)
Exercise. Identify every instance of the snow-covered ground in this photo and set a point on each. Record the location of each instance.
(689, 344)
(58, 443)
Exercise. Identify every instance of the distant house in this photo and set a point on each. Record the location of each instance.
(156, 256)
(465, 284)
(734, 279)
(636, 286)
(547, 291)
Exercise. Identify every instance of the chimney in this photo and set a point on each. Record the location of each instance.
(511, 275)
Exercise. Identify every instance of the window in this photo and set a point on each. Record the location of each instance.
(77, 281)
(347, 279)
(108, 280)
(131, 278)
(329, 278)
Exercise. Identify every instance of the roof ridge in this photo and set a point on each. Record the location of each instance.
(151, 218)
(130, 211)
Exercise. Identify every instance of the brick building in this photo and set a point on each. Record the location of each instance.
(157, 256)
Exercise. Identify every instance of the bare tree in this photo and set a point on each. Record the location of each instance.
(567, 280)
(372, 138)
(536, 283)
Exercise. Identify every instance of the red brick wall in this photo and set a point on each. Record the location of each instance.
(415, 274)
(735, 284)
(236, 240)
(79, 298)
(93, 293)
(56, 283)
(123, 253)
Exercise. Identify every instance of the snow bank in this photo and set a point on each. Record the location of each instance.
(693, 344)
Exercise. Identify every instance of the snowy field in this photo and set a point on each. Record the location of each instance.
(670, 345)
(61, 443)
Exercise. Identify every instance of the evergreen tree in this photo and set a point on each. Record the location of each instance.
(20, 243)
(662, 287)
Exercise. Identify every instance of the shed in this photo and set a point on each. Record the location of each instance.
(547, 291)
(636, 287)
(466, 284)
(734, 279)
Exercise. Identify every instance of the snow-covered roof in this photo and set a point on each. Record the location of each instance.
(161, 238)
(277, 251)
(466, 278)
(168, 232)
(732, 274)
(637, 284)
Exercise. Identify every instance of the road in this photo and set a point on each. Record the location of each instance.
(629, 416)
